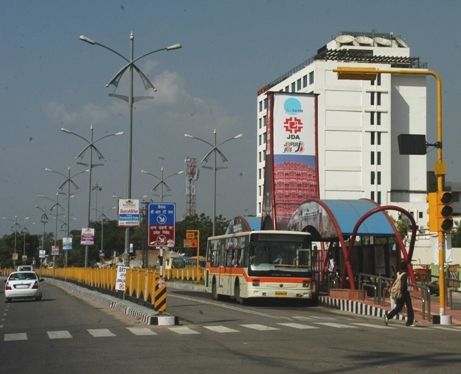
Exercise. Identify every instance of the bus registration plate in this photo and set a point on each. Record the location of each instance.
(280, 293)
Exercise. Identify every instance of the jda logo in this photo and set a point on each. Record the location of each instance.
(292, 106)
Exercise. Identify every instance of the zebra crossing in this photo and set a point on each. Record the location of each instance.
(221, 329)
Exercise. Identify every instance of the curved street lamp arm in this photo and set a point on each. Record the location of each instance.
(74, 133)
(159, 184)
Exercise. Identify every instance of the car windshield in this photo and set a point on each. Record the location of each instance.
(23, 276)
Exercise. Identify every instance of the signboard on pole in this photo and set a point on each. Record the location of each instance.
(192, 239)
(67, 244)
(162, 220)
(55, 250)
(120, 281)
(87, 237)
(128, 213)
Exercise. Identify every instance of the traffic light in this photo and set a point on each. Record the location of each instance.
(432, 202)
(445, 211)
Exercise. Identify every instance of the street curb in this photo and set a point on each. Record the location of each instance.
(139, 312)
(356, 307)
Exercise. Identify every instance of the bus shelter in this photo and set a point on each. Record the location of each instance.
(353, 237)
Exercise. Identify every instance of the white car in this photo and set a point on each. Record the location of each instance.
(23, 284)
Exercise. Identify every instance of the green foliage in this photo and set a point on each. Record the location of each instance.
(402, 228)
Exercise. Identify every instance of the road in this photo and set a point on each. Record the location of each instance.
(64, 334)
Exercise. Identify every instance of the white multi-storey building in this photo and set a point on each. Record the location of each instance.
(359, 121)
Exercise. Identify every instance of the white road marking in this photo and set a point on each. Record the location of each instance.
(15, 337)
(447, 328)
(220, 329)
(336, 325)
(258, 327)
(100, 333)
(141, 331)
(373, 326)
(59, 334)
(299, 326)
(183, 330)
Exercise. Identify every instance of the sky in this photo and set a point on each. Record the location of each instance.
(51, 80)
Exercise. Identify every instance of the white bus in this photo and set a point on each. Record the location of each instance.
(260, 264)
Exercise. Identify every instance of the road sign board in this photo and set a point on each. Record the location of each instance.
(162, 220)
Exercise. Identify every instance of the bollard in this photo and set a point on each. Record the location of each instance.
(160, 295)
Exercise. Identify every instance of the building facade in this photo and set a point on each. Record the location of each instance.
(358, 122)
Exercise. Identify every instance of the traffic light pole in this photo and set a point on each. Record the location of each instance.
(370, 73)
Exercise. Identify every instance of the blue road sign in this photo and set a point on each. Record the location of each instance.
(162, 220)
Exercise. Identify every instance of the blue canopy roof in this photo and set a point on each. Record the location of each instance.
(348, 212)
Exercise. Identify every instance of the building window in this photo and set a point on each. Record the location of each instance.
(379, 178)
(265, 137)
(372, 178)
(378, 118)
(378, 98)
(305, 81)
(311, 77)
(259, 207)
(259, 139)
(379, 138)
(420, 215)
(372, 158)
(259, 173)
(259, 190)
(372, 138)
(372, 195)
(293, 87)
(372, 118)
(379, 197)
(287, 88)
(260, 122)
(260, 106)
(372, 98)
(378, 161)
(265, 103)
(298, 84)
(259, 156)
(264, 121)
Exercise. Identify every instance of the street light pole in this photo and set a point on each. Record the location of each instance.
(44, 220)
(91, 147)
(162, 180)
(130, 66)
(370, 73)
(214, 150)
(68, 180)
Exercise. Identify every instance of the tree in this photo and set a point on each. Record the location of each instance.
(202, 223)
(456, 236)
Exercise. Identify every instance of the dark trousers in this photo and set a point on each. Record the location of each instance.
(399, 303)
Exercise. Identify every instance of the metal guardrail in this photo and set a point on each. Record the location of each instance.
(381, 285)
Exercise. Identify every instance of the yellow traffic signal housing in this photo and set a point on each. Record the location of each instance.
(445, 211)
(432, 212)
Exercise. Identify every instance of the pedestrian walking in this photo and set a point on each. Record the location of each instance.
(399, 291)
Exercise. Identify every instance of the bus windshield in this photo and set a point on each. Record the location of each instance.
(280, 255)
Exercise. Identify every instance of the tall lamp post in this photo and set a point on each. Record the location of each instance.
(370, 73)
(16, 225)
(44, 220)
(68, 180)
(161, 180)
(130, 66)
(214, 150)
(91, 147)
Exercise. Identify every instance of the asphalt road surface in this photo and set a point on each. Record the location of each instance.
(65, 334)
